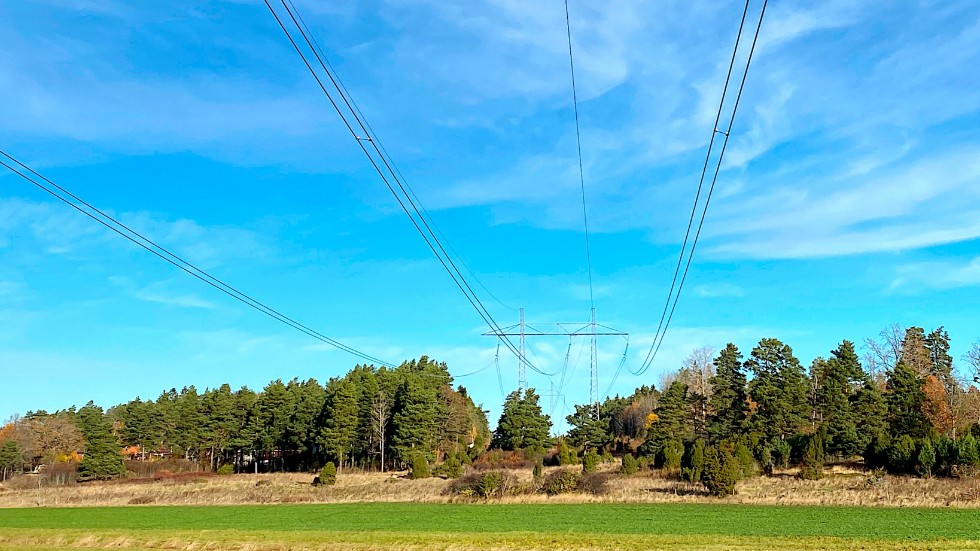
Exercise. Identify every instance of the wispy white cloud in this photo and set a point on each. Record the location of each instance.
(716, 290)
(924, 276)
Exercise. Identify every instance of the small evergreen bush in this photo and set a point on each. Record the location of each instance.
(782, 452)
(925, 459)
(812, 466)
(590, 461)
(226, 469)
(900, 455)
(561, 482)
(744, 459)
(671, 455)
(538, 469)
(630, 465)
(721, 472)
(452, 467)
(420, 467)
(327, 476)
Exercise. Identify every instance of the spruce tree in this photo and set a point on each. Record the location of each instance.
(414, 419)
(340, 428)
(779, 388)
(904, 399)
(674, 422)
(522, 426)
(835, 403)
(727, 402)
(102, 459)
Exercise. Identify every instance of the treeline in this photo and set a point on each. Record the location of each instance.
(766, 411)
(371, 418)
(720, 417)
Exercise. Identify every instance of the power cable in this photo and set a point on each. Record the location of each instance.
(578, 142)
(144, 242)
(384, 153)
(670, 307)
(390, 178)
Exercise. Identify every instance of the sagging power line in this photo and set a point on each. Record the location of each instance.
(77, 203)
(355, 122)
(679, 277)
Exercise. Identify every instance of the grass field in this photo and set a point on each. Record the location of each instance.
(490, 526)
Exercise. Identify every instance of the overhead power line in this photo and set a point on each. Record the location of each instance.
(679, 278)
(72, 200)
(339, 98)
(578, 143)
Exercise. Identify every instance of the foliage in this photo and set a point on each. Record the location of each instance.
(670, 457)
(420, 466)
(486, 485)
(521, 424)
(565, 455)
(901, 454)
(630, 465)
(925, 459)
(226, 469)
(721, 471)
(728, 401)
(561, 482)
(452, 467)
(674, 421)
(693, 463)
(590, 461)
(813, 459)
(779, 390)
(327, 476)
(538, 471)
(102, 459)
(782, 453)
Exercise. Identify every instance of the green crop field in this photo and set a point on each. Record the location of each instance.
(463, 526)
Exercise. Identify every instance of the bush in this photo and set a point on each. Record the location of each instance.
(781, 454)
(900, 455)
(226, 469)
(671, 455)
(812, 465)
(590, 461)
(693, 462)
(643, 463)
(607, 457)
(968, 456)
(721, 471)
(565, 455)
(594, 483)
(452, 467)
(925, 459)
(561, 482)
(630, 465)
(327, 476)
(420, 467)
(486, 485)
(538, 469)
(766, 461)
(876, 453)
(746, 463)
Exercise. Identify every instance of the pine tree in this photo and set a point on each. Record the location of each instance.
(522, 426)
(340, 428)
(587, 431)
(728, 400)
(779, 387)
(904, 399)
(102, 459)
(414, 419)
(674, 423)
(841, 377)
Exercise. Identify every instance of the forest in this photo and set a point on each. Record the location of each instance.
(720, 417)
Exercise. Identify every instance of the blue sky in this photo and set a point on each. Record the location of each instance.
(849, 197)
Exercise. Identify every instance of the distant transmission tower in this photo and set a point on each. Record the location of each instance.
(590, 329)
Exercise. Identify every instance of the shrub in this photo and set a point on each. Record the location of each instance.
(630, 465)
(452, 467)
(900, 455)
(925, 459)
(721, 471)
(671, 455)
(876, 453)
(486, 485)
(590, 461)
(420, 467)
(782, 452)
(561, 482)
(812, 465)
(968, 454)
(538, 469)
(565, 455)
(327, 476)
(643, 463)
(746, 463)
(607, 457)
(766, 461)
(226, 469)
(594, 483)
(694, 461)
